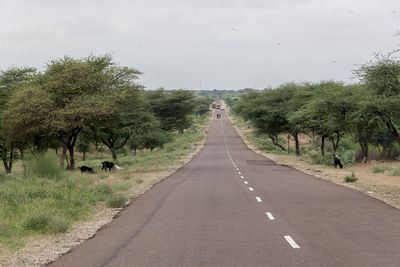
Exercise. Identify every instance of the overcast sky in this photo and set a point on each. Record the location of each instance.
(207, 44)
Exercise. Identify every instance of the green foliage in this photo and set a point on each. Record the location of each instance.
(379, 169)
(350, 178)
(116, 201)
(347, 157)
(43, 166)
(139, 181)
(173, 108)
(317, 158)
(394, 171)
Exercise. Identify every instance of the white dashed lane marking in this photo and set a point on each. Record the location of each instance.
(291, 241)
(237, 169)
(258, 199)
(269, 215)
(246, 182)
(241, 177)
(251, 189)
(239, 173)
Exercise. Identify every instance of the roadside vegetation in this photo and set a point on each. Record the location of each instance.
(356, 122)
(80, 112)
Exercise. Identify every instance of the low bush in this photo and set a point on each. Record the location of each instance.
(377, 169)
(44, 166)
(347, 157)
(350, 178)
(394, 171)
(116, 201)
(317, 158)
(139, 181)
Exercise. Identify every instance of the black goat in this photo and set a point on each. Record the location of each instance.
(86, 169)
(337, 162)
(107, 165)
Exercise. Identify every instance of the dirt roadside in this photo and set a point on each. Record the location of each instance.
(378, 185)
(41, 250)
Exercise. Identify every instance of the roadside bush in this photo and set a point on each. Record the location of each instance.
(43, 165)
(116, 201)
(44, 224)
(317, 158)
(394, 171)
(347, 157)
(377, 169)
(139, 181)
(350, 178)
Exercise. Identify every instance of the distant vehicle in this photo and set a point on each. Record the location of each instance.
(213, 105)
(218, 106)
(222, 108)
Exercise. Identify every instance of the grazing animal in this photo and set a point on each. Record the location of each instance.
(86, 169)
(118, 168)
(107, 165)
(337, 162)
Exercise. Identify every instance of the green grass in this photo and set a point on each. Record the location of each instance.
(394, 171)
(116, 201)
(41, 198)
(350, 178)
(378, 169)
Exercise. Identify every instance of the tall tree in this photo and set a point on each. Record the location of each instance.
(382, 76)
(70, 95)
(10, 80)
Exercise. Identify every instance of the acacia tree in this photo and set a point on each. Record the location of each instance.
(383, 78)
(173, 108)
(10, 80)
(68, 96)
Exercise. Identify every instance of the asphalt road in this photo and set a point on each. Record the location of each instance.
(232, 207)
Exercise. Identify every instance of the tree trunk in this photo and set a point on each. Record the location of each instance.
(63, 154)
(71, 158)
(84, 155)
(21, 153)
(323, 145)
(335, 143)
(296, 140)
(364, 147)
(274, 140)
(393, 130)
(134, 152)
(114, 155)
(8, 161)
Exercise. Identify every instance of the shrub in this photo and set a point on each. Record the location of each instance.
(394, 171)
(139, 181)
(116, 201)
(348, 157)
(350, 178)
(102, 191)
(377, 169)
(37, 223)
(317, 158)
(43, 165)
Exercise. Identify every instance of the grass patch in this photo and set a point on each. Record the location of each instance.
(379, 169)
(42, 198)
(350, 178)
(394, 171)
(116, 201)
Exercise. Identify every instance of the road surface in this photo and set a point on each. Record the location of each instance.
(232, 207)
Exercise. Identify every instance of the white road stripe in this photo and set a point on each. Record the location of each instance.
(239, 173)
(237, 169)
(291, 241)
(251, 189)
(246, 182)
(241, 177)
(269, 215)
(258, 199)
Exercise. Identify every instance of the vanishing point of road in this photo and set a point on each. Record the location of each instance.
(232, 207)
